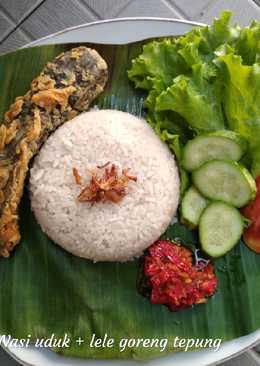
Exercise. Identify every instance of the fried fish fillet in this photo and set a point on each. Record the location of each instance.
(65, 88)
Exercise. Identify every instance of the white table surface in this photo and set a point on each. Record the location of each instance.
(22, 21)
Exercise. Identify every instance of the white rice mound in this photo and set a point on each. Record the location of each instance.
(104, 231)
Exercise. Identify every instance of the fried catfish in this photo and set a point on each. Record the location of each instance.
(65, 88)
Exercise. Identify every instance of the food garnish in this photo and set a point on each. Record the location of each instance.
(173, 279)
(252, 212)
(192, 206)
(221, 182)
(203, 101)
(220, 228)
(225, 181)
(220, 145)
(204, 81)
(111, 186)
(65, 87)
(77, 176)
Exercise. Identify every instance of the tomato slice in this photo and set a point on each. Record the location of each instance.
(252, 212)
(252, 236)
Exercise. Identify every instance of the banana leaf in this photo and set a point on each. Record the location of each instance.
(45, 290)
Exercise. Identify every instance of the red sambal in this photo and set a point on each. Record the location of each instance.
(174, 279)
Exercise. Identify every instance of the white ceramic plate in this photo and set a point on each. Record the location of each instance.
(121, 31)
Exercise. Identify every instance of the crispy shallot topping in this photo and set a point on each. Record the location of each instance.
(77, 176)
(108, 187)
(103, 166)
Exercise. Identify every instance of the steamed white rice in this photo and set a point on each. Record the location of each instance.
(104, 231)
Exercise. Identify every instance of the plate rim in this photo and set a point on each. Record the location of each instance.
(111, 20)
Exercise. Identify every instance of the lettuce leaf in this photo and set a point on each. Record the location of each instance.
(159, 67)
(175, 145)
(248, 44)
(159, 61)
(196, 98)
(205, 80)
(220, 32)
(200, 44)
(242, 102)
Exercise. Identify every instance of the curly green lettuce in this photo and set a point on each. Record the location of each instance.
(206, 80)
(241, 101)
(197, 98)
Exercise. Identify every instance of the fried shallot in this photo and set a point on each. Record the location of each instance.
(111, 186)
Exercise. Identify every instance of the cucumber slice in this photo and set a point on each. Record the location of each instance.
(192, 205)
(225, 181)
(220, 228)
(185, 181)
(221, 145)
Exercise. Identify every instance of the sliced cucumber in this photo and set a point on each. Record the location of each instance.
(185, 181)
(225, 181)
(220, 228)
(192, 205)
(221, 145)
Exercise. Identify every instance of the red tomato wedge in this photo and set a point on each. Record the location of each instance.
(252, 212)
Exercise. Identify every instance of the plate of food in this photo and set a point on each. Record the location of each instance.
(129, 226)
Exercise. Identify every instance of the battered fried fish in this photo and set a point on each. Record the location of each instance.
(65, 88)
